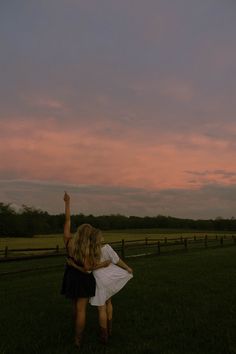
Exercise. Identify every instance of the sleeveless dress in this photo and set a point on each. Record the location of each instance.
(109, 280)
(76, 284)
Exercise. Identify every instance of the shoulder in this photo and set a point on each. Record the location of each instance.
(107, 247)
(111, 253)
(106, 250)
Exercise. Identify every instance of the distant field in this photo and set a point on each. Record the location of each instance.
(183, 304)
(41, 241)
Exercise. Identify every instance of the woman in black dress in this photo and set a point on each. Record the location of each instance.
(79, 284)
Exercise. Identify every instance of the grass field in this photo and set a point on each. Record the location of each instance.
(41, 241)
(175, 304)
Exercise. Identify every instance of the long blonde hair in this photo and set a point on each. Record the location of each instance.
(88, 245)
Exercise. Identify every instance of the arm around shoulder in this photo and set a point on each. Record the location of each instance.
(102, 265)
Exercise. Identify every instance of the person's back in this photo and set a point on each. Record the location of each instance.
(77, 284)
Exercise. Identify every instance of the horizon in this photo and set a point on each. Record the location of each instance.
(74, 212)
(19, 209)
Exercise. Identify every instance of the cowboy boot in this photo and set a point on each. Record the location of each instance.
(103, 335)
(109, 327)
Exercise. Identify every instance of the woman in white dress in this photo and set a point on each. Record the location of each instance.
(109, 281)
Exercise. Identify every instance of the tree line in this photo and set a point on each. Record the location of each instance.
(29, 221)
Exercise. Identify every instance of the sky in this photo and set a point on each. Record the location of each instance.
(127, 105)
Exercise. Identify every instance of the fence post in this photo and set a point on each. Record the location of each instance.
(6, 251)
(216, 237)
(205, 241)
(186, 243)
(123, 248)
(159, 247)
(221, 241)
(146, 241)
(57, 249)
(181, 239)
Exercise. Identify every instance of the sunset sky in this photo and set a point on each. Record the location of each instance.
(129, 105)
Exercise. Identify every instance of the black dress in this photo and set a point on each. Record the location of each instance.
(77, 284)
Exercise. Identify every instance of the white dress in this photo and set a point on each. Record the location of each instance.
(109, 280)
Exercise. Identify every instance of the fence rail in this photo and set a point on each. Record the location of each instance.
(128, 248)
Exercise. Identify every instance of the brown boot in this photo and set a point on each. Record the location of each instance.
(103, 335)
(109, 327)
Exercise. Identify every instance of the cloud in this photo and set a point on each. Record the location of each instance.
(46, 103)
(224, 177)
(207, 202)
(127, 94)
(107, 153)
(222, 173)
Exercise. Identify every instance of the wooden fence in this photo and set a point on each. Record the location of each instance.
(148, 246)
(129, 248)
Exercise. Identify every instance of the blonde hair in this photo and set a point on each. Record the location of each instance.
(88, 245)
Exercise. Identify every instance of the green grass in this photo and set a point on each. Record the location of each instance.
(175, 304)
(32, 264)
(41, 241)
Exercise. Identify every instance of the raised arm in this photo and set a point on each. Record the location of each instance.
(67, 234)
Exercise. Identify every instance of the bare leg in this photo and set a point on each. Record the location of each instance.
(80, 318)
(109, 309)
(102, 316)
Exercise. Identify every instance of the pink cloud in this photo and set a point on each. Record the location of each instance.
(44, 150)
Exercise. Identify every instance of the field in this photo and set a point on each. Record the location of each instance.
(175, 304)
(135, 242)
(109, 236)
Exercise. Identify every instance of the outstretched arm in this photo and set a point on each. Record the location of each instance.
(116, 259)
(123, 265)
(67, 234)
